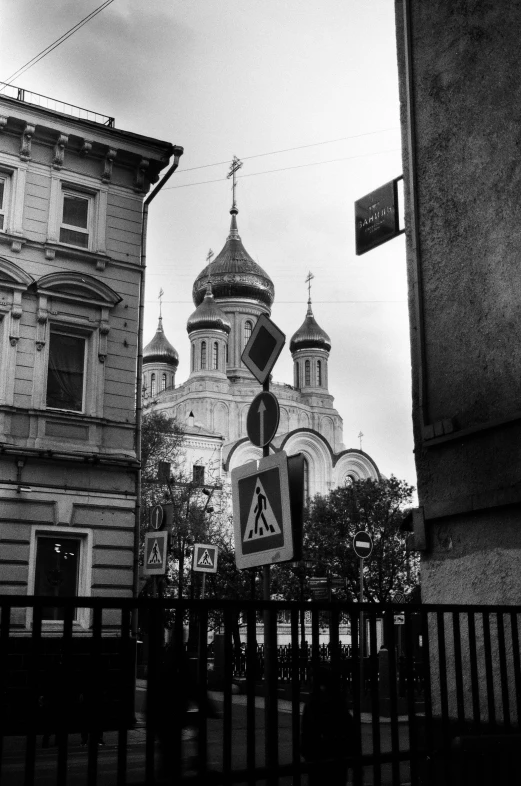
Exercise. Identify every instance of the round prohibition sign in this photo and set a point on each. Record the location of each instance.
(262, 420)
(156, 517)
(362, 545)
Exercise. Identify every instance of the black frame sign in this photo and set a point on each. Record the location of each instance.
(377, 217)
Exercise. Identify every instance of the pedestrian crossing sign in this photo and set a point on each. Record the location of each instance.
(262, 512)
(155, 553)
(205, 558)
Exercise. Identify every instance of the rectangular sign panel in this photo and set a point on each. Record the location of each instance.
(155, 553)
(204, 558)
(377, 217)
(261, 512)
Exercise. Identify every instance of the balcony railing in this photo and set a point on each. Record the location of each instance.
(28, 97)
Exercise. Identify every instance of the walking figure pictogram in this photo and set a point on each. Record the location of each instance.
(155, 555)
(259, 509)
(262, 522)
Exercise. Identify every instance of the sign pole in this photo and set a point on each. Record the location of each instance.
(362, 633)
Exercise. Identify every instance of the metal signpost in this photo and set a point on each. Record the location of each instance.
(259, 356)
(363, 547)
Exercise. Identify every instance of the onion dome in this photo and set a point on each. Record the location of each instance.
(234, 273)
(160, 350)
(208, 315)
(310, 335)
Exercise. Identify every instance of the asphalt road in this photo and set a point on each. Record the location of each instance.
(12, 773)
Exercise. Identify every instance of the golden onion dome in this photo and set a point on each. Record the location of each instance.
(160, 350)
(208, 315)
(310, 335)
(234, 273)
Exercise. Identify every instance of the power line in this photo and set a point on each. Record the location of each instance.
(55, 44)
(290, 149)
(294, 302)
(286, 168)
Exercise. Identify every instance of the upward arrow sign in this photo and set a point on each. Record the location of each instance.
(261, 411)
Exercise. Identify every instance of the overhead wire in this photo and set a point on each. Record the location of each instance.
(55, 44)
(284, 169)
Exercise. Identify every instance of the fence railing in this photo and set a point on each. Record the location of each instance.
(436, 699)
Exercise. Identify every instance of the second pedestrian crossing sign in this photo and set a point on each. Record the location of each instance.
(205, 558)
(155, 553)
(261, 512)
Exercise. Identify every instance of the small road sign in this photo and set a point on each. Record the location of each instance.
(156, 517)
(263, 348)
(362, 545)
(263, 419)
(261, 512)
(320, 581)
(155, 553)
(399, 619)
(337, 583)
(205, 558)
(399, 597)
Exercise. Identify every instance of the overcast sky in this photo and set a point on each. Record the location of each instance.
(252, 78)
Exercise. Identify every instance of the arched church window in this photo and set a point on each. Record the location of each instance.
(349, 480)
(215, 363)
(319, 374)
(193, 357)
(306, 481)
(307, 373)
(297, 375)
(227, 355)
(152, 384)
(248, 327)
(203, 355)
(163, 382)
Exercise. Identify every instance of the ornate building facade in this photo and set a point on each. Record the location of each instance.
(71, 207)
(229, 294)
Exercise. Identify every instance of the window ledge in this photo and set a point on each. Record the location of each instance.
(16, 241)
(99, 259)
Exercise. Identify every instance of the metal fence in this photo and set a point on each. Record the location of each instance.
(439, 702)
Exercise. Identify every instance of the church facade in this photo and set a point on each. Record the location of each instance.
(229, 294)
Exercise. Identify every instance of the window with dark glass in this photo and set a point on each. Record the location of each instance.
(306, 481)
(3, 200)
(163, 382)
(215, 362)
(56, 571)
(198, 474)
(297, 375)
(307, 373)
(319, 374)
(203, 355)
(193, 357)
(66, 372)
(74, 227)
(152, 384)
(248, 327)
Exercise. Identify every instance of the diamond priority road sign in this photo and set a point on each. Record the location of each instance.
(155, 553)
(362, 544)
(263, 348)
(204, 558)
(262, 512)
(263, 417)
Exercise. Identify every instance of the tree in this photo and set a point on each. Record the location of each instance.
(379, 508)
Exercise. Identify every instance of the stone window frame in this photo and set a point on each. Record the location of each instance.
(66, 287)
(14, 282)
(96, 193)
(15, 175)
(85, 536)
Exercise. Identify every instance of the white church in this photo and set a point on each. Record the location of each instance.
(212, 404)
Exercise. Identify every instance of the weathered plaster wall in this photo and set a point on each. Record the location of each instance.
(466, 138)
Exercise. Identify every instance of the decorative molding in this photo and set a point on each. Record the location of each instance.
(59, 151)
(109, 161)
(3, 123)
(16, 246)
(86, 147)
(42, 315)
(50, 253)
(139, 180)
(101, 264)
(25, 142)
(103, 333)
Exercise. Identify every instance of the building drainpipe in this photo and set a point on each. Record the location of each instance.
(177, 152)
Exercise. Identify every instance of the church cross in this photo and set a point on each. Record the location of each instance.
(309, 278)
(360, 438)
(234, 168)
(161, 293)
